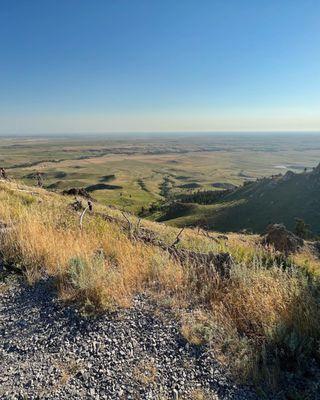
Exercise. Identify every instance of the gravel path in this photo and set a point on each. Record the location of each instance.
(48, 351)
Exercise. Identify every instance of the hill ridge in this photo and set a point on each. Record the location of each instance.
(256, 204)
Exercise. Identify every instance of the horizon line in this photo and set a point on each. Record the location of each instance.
(312, 131)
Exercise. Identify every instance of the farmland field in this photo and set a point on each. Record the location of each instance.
(133, 173)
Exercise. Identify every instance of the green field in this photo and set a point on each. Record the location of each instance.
(148, 169)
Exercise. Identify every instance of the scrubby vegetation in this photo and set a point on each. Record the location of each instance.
(165, 187)
(261, 319)
(292, 199)
(191, 185)
(203, 196)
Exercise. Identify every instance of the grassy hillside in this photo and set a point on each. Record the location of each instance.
(261, 318)
(253, 206)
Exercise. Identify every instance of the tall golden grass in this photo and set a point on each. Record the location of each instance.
(99, 263)
(260, 318)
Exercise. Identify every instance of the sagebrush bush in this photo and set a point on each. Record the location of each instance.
(263, 320)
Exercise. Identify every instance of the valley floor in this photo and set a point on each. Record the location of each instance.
(50, 351)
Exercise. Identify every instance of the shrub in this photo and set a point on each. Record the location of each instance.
(262, 320)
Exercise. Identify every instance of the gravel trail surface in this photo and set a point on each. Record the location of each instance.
(49, 351)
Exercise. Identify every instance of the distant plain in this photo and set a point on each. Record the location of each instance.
(129, 172)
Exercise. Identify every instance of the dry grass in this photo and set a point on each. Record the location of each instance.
(263, 320)
(308, 260)
(146, 372)
(3, 287)
(99, 264)
(200, 394)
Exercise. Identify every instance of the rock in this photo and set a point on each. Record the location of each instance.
(222, 237)
(281, 239)
(315, 248)
(288, 175)
(49, 351)
(77, 192)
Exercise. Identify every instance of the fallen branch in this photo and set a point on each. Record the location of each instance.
(177, 239)
(129, 223)
(82, 215)
(207, 235)
(211, 263)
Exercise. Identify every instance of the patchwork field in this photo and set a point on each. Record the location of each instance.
(133, 173)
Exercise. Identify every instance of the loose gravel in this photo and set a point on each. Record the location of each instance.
(50, 351)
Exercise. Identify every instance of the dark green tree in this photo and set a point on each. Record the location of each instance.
(302, 229)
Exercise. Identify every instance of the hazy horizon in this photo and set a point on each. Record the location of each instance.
(160, 135)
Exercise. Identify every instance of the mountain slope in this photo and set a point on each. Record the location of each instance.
(278, 199)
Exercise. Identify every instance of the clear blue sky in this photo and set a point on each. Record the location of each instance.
(159, 65)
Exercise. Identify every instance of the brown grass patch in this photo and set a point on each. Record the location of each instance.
(263, 320)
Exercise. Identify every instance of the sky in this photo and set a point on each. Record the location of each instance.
(75, 66)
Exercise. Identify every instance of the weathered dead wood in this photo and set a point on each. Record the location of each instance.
(209, 265)
(27, 191)
(177, 239)
(76, 205)
(111, 219)
(130, 225)
(207, 235)
(82, 216)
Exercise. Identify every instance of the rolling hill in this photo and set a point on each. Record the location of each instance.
(253, 206)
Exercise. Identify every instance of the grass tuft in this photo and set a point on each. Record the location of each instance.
(263, 320)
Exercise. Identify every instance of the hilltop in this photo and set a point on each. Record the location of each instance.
(254, 205)
(230, 304)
